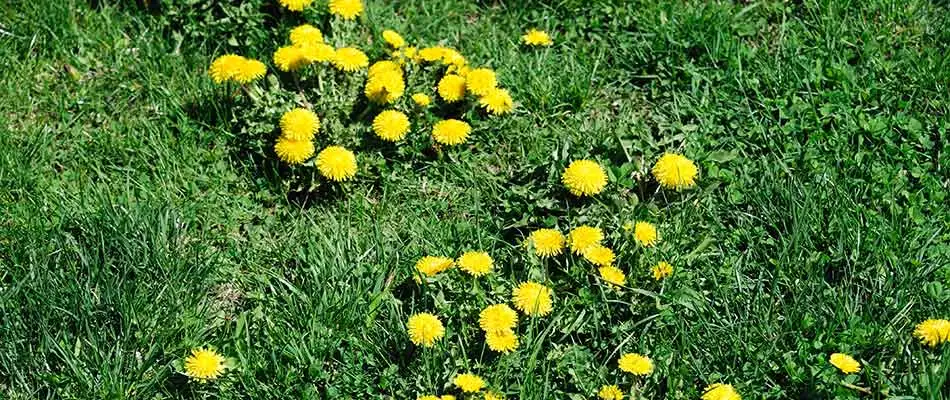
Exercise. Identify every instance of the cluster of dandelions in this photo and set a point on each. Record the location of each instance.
(588, 178)
(458, 83)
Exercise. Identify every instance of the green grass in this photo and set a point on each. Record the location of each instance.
(139, 223)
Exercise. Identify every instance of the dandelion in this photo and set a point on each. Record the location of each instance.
(469, 383)
(299, 124)
(452, 57)
(293, 151)
(451, 132)
(610, 392)
(430, 54)
(475, 263)
(674, 171)
(502, 341)
(425, 329)
(533, 298)
(612, 275)
(600, 255)
(290, 58)
(493, 396)
(645, 233)
(385, 87)
(383, 66)
(346, 9)
(452, 88)
(225, 67)
(584, 236)
(421, 99)
(306, 34)
(336, 163)
(317, 52)
(350, 59)
(480, 80)
(391, 125)
(584, 178)
(295, 5)
(497, 318)
(720, 391)
(204, 365)
(428, 397)
(845, 363)
(497, 101)
(393, 39)
(249, 71)
(547, 242)
(534, 37)
(662, 270)
(636, 364)
(933, 332)
(429, 265)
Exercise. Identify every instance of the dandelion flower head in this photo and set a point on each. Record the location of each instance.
(249, 71)
(429, 265)
(475, 263)
(393, 38)
(584, 236)
(584, 178)
(610, 392)
(645, 233)
(385, 87)
(306, 34)
(350, 59)
(204, 365)
(933, 332)
(290, 58)
(299, 124)
(547, 242)
(497, 318)
(533, 299)
(534, 37)
(493, 396)
(497, 101)
(720, 391)
(662, 270)
(391, 125)
(295, 5)
(317, 52)
(600, 255)
(502, 341)
(469, 383)
(612, 275)
(845, 363)
(425, 329)
(421, 99)
(452, 88)
(674, 171)
(225, 67)
(336, 163)
(636, 364)
(480, 81)
(346, 9)
(293, 151)
(451, 132)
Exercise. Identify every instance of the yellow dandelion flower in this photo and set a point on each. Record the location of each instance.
(295, 5)
(674, 171)
(451, 132)
(336, 163)
(610, 392)
(224, 68)
(845, 363)
(933, 332)
(534, 37)
(645, 233)
(306, 34)
(290, 58)
(469, 383)
(547, 242)
(504, 341)
(612, 275)
(452, 57)
(385, 87)
(493, 396)
(425, 329)
(720, 391)
(421, 99)
(383, 66)
(475, 263)
(346, 9)
(393, 39)
(391, 125)
(299, 124)
(497, 101)
(452, 88)
(204, 365)
(428, 397)
(317, 52)
(636, 364)
(293, 151)
(350, 59)
(584, 178)
(583, 237)
(480, 80)
(249, 71)
(497, 318)
(430, 54)
(662, 270)
(429, 265)
(533, 298)
(600, 255)
(460, 70)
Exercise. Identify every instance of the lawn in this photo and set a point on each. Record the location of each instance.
(145, 214)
